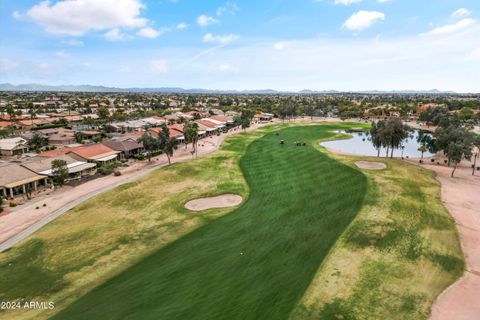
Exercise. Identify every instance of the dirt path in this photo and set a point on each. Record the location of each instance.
(461, 196)
(26, 219)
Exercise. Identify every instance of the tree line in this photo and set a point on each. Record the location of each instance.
(389, 135)
(452, 136)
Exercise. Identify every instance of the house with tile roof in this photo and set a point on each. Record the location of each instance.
(76, 169)
(16, 180)
(13, 146)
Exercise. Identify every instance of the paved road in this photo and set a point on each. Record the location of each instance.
(57, 213)
(7, 244)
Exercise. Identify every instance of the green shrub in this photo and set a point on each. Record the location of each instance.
(106, 169)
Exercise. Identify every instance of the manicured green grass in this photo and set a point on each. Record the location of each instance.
(396, 257)
(255, 262)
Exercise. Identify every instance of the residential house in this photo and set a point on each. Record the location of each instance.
(13, 146)
(76, 169)
(210, 127)
(174, 132)
(95, 153)
(127, 147)
(15, 180)
(263, 117)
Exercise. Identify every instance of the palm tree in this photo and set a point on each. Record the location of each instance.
(423, 148)
(191, 134)
(11, 112)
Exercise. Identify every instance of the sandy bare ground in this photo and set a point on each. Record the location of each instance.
(26, 219)
(222, 201)
(369, 165)
(461, 196)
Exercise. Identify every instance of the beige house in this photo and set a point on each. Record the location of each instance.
(15, 180)
(13, 146)
(76, 169)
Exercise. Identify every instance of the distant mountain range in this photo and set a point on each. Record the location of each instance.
(90, 88)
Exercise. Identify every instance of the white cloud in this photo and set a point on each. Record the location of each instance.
(280, 45)
(461, 13)
(73, 43)
(224, 39)
(363, 20)
(114, 35)
(62, 54)
(229, 8)
(346, 2)
(77, 17)
(205, 20)
(151, 33)
(159, 66)
(182, 26)
(452, 28)
(17, 15)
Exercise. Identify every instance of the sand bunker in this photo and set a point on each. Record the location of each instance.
(223, 201)
(370, 165)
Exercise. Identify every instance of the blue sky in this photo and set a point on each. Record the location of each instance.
(278, 44)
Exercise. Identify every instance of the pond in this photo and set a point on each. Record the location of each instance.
(361, 144)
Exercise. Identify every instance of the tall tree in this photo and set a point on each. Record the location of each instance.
(150, 144)
(375, 134)
(31, 111)
(102, 113)
(11, 112)
(190, 131)
(59, 172)
(167, 144)
(246, 117)
(456, 143)
(37, 142)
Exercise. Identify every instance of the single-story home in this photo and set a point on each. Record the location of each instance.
(172, 131)
(98, 153)
(263, 117)
(13, 146)
(15, 180)
(210, 126)
(76, 169)
(127, 147)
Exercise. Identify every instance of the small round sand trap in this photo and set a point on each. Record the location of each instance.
(223, 201)
(370, 165)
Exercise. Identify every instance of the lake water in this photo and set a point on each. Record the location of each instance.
(361, 144)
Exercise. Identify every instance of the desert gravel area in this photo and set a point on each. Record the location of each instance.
(461, 196)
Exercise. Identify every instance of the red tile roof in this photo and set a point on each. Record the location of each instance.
(177, 127)
(92, 151)
(54, 153)
(207, 123)
(220, 118)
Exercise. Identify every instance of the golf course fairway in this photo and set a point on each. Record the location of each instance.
(253, 263)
